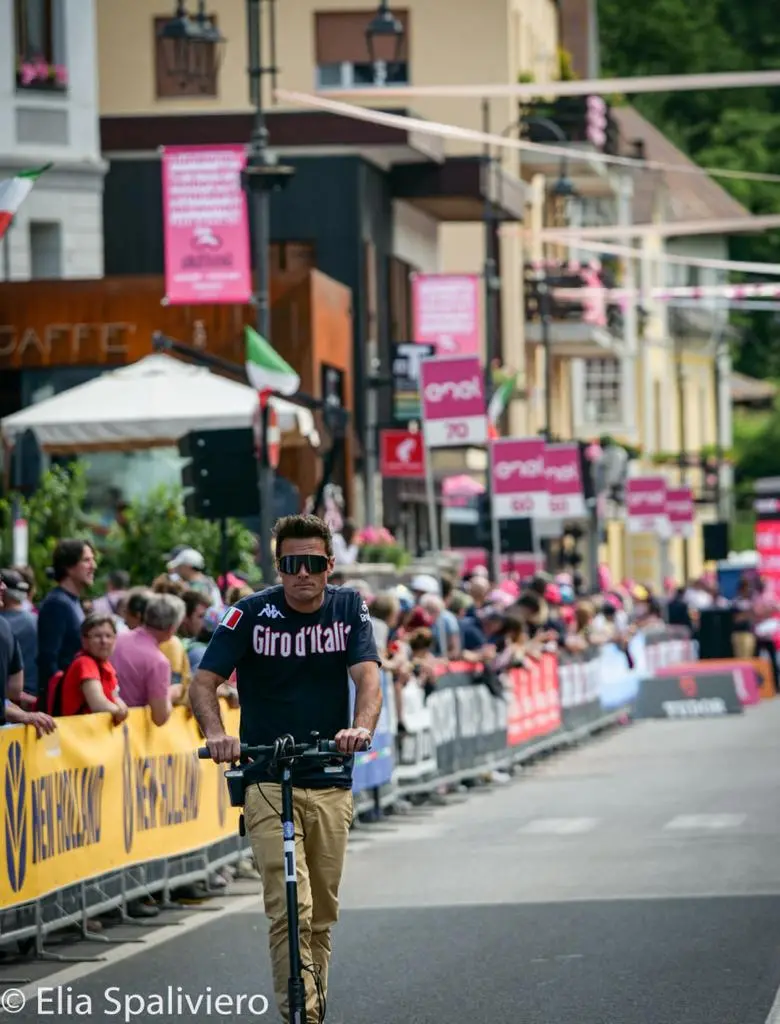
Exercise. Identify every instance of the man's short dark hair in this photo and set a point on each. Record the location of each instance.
(95, 619)
(531, 602)
(194, 599)
(119, 579)
(302, 527)
(66, 555)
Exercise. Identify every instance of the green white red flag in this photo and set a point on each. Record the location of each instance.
(266, 369)
(13, 192)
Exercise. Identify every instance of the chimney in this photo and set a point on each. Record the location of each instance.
(580, 36)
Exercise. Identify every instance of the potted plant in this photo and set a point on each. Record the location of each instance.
(377, 544)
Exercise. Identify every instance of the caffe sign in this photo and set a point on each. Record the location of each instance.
(64, 344)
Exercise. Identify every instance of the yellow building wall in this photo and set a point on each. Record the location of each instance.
(659, 430)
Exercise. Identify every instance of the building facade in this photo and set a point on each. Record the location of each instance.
(49, 114)
(367, 205)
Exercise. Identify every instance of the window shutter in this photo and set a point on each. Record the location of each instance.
(340, 36)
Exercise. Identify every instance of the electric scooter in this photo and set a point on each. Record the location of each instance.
(280, 757)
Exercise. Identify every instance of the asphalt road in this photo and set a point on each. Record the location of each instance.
(635, 880)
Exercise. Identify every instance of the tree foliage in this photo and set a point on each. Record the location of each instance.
(735, 129)
(151, 528)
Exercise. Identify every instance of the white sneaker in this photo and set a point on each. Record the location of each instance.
(501, 777)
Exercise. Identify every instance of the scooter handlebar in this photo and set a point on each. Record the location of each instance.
(320, 748)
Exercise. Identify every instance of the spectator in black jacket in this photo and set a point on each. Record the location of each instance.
(23, 624)
(61, 614)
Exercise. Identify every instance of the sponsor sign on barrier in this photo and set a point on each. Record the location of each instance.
(579, 680)
(415, 743)
(92, 798)
(535, 701)
(688, 696)
(469, 722)
(374, 767)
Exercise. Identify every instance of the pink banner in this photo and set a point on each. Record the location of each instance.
(519, 483)
(563, 474)
(206, 226)
(680, 511)
(767, 532)
(646, 504)
(445, 310)
(453, 402)
(521, 566)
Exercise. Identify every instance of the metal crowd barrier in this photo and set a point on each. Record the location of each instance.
(469, 726)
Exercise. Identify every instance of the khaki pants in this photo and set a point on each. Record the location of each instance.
(322, 821)
(743, 644)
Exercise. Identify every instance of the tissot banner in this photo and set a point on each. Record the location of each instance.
(205, 223)
(446, 312)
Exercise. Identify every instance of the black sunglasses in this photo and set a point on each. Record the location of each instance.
(291, 565)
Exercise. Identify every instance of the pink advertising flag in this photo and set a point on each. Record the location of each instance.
(453, 402)
(646, 505)
(564, 481)
(206, 225)
(519, 483)
(446, 312)
(680, 511)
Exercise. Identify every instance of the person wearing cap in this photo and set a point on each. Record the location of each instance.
(189, 565)
(23, 624)
(12, 683)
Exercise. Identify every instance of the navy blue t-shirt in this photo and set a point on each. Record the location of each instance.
(292, 669)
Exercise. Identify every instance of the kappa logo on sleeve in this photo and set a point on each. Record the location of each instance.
(231, 618)
(270, 611)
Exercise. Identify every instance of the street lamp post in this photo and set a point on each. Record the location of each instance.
(263, 175)
(563, 188)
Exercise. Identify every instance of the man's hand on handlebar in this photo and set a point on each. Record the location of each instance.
(349, 741)
(224, 749)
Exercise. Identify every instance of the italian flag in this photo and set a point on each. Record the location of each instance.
(266, 369)
(501, 399)
(13, 192)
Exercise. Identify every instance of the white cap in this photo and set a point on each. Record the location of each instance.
(187, 556)
(425, 584)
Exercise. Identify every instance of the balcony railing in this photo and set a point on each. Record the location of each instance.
(584, 120)
(593, 308)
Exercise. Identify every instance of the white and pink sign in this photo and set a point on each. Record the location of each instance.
(521, 566)
(519, 482)
(205, 225)
(680, 511)
(646, 505)
(446, 312)
(564, 481)
(452, 393)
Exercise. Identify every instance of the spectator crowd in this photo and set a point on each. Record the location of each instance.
(73, 653)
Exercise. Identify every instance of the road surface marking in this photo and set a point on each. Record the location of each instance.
(558, 826)
(705, 821)
(236, 905)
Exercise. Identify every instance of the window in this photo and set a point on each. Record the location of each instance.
(342, 54)
(184, 71)
(40, 44)
(45, 249)
(400, 294)
(603, 391)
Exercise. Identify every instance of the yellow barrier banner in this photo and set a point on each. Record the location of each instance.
(94, 797)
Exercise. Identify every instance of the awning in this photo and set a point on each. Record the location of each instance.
(151, 403)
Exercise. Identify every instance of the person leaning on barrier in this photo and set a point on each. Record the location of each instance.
(90, 684)
(144, 671)
(292, 647)
(12, 683)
